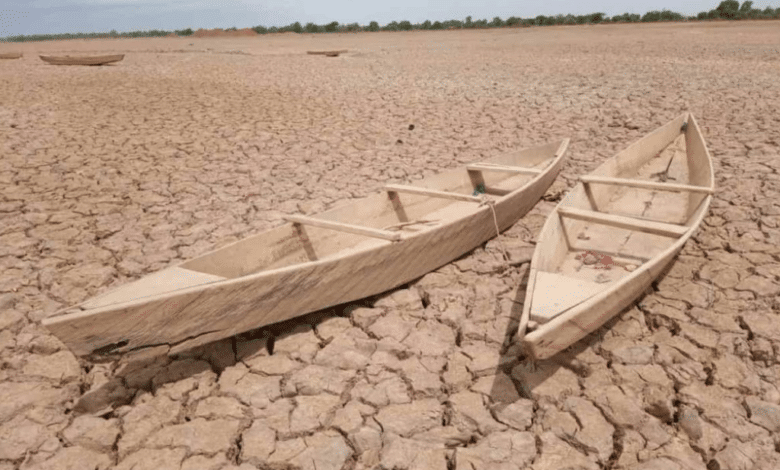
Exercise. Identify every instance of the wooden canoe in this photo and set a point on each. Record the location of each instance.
(614, 234)
(82, 60)
(11, 55)
(311, 263)
(327, 53)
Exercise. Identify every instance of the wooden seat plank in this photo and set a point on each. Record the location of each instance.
(503, 168)
(396, 188)
(356, 229)
(646, 226)
(634, 183)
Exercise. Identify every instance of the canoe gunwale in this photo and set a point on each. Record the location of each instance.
(66, 320)
(533, 343)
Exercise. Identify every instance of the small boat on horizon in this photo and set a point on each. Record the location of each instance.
(328, 53)
(82, 60)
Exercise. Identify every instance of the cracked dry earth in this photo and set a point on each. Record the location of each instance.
(110, 173)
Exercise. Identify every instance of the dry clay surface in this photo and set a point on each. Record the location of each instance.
(109, 173)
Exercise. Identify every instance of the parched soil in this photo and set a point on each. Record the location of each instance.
(109, 173)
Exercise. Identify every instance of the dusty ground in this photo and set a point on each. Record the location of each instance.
(108, 173)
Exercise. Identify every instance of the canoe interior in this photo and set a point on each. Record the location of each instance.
(558, 268)
(290, 245)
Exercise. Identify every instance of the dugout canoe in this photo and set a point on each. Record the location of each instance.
(11, 55)
(614, 233)
(82, 60)
(328, 53)
(362, 248)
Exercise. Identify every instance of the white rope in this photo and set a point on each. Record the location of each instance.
(491, 203)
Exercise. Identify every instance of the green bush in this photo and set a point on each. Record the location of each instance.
(627, 18)
(728, 9)
(667, 15)
(497, 22)
(393, 26)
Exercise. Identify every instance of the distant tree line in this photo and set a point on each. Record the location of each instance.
(113, 34)
(726, 10)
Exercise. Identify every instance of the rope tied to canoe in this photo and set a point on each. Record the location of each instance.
(487, 201)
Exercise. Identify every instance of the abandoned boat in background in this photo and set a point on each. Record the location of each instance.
(82, 60)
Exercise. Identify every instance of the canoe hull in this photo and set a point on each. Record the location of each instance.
(574, 324)
(11, 55)
(82, 60)
(198, 315)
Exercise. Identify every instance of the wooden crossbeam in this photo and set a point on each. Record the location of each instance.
(396, 188)
(503, 168)
(646, 226)
(356, 229)
(645, 184)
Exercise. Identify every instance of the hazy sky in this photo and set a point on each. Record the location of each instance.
(63, 16)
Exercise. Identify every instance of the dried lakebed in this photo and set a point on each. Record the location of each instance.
(110, 173)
